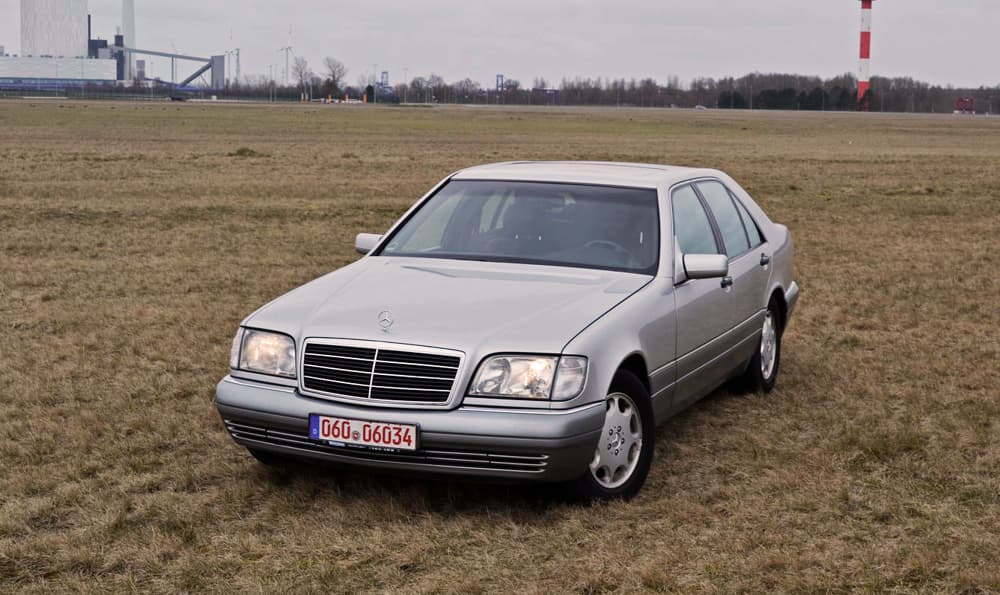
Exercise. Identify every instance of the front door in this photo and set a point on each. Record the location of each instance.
(704, 306)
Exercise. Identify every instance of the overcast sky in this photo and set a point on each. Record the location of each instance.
(940, 42)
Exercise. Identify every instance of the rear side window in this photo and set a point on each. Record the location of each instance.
(728, 218)
(691, 225)
(752, 231)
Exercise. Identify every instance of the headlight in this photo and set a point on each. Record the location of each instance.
(530, 377)
(264, 352)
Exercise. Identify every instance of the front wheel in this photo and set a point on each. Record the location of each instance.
(624, 450)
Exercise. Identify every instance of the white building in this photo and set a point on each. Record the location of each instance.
(56, 28)
(56, 70)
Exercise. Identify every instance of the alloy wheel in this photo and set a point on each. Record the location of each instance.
(620, 444)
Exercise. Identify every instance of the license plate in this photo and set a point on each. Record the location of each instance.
(357, 432)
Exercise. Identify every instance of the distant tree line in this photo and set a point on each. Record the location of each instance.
(765, 91)
(777, 92)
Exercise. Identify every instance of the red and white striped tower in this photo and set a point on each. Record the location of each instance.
(866, 52)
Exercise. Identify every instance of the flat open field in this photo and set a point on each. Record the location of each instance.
(134, 238)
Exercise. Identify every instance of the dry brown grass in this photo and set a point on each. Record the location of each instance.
(133, 238)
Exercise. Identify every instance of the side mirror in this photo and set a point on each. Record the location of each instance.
(706, 266)
(366, 242)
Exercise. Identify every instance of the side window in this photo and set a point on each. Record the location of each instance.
(691, 225)
(748, 223)
(726, 215)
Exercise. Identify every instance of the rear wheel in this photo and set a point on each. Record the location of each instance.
(762, 372)
(624, 450)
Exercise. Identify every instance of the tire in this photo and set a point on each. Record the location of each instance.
(616, 473)
(269, 458)
(762, 371)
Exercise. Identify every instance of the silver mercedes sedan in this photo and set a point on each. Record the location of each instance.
(526, 321)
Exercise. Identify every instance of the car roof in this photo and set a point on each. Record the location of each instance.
(609, 173)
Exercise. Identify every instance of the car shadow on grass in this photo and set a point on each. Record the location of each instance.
(418, 492)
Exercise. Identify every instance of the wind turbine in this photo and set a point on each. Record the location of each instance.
(288, 51)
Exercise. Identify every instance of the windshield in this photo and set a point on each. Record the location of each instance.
(599, 227)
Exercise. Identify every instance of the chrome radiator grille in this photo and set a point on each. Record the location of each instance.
(378, 372)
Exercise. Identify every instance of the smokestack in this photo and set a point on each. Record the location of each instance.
(128, 34)
(864, 70)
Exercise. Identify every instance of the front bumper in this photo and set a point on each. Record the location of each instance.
(526, 445)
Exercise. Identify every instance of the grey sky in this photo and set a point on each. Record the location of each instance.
(940, 42)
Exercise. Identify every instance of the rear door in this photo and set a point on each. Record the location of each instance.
(749, 266)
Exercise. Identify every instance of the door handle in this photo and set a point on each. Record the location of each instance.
(727, 282)
(765, 260)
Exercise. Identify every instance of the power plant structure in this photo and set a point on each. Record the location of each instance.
(59, 50)
(864, 70)
(54, 28)
(128, 35)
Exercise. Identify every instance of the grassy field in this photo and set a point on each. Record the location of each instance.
(134, 238)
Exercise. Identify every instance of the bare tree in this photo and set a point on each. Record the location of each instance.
(301, 71)
(335, 71)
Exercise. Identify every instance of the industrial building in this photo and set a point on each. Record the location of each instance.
(58, 49)
(69, 69)
(54, 28)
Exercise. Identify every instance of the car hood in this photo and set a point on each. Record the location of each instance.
(474, 307)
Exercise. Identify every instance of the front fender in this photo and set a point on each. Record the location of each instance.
(644, 324)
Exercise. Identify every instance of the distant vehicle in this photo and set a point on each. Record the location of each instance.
(527, 321)
(700, 107)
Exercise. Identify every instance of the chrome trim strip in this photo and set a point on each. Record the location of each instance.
(429, 390)
(362, 372)
(738, 344)
(371, 372)
(274, 387)
(711, 343)
(533, 411)
(410, 376)
(663, 367)
(657, 394)
(357, 359)
(340, 382)
(389, 361)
